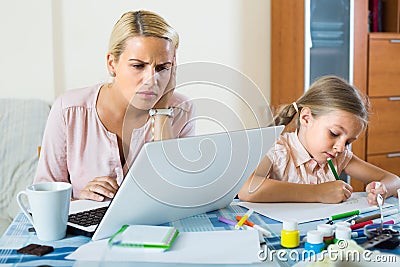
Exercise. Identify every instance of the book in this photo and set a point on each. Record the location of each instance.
(144, 236)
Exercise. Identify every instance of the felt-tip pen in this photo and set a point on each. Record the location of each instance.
(244, 218)
(351, 213)
(265, 232)
(330, 163)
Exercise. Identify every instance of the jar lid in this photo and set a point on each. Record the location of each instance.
(326, 229)
(342, 224)
(289, 225)
(343, 233)
(315, 237)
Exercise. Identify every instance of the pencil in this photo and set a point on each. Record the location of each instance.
(330, 163)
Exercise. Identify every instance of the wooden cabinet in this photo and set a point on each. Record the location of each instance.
(383, 134)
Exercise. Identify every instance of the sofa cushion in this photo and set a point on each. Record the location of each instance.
(22, 123)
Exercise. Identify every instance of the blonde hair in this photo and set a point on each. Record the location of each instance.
(327, 94)
(139, 23)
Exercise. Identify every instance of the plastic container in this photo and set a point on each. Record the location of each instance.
(342, 233)
(327, 231)
(290, 235)
(314, 241)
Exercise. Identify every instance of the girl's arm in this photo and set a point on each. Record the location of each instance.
(368, 173)
(260, 189)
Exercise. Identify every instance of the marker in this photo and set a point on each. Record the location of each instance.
(344, 215)
(357, 233)
(227, 221)
(360, 225)
(330, 163)
(351, 213)
(374, 216)
(244, 218)
(265, 232)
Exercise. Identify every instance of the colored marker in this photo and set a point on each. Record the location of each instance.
(360, 225)
(351, 213)
(330, 163)
(357, 233)
(265, 232)
(244, 218)
(227, 221)
(374, 216)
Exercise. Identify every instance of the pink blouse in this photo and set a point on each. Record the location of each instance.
(77, 147)
(292, 163)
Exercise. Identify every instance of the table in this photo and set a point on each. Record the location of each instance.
(18, 235)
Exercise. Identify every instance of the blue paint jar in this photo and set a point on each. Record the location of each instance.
(315, 242)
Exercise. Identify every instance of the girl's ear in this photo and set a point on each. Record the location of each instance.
(305, 116)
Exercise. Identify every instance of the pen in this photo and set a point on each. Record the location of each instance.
(244, 218)
(227, 221)
(265, 232)
(330, 163)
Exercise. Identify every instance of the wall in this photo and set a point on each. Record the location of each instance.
(52, 46)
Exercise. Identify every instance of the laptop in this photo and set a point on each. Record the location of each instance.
(177, 178)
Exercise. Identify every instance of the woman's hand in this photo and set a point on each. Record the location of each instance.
(99, 189)
(163, 102)
(372, 190)
(334, 192)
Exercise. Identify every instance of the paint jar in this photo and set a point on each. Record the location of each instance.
(327, 231)
(314, 241)
(290, 235)
(342, 233)
(342, 224)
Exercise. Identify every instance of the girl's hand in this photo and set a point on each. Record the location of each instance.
(334, 192)
(163, 102)
(99, 189)
(372, 191)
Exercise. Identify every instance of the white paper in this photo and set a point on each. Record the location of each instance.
(307, 212)
(214, 247)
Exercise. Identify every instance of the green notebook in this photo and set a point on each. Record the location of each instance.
(144, 236)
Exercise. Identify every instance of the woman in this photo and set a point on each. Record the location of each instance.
(94, 134)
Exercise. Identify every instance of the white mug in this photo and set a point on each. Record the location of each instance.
(49, 205)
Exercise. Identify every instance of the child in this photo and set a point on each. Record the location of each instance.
(329, 117)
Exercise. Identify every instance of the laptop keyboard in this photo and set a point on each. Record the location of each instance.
(88, 217)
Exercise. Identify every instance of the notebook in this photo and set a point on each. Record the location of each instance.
(177, 178)
(149, 237)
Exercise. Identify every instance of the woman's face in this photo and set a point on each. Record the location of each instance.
(143, 70)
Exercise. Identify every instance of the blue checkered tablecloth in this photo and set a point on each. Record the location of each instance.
(17, 236)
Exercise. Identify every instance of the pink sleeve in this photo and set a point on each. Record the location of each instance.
(52, 165)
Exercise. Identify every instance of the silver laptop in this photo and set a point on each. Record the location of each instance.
(178, 178)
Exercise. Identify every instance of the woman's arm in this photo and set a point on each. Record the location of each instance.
(260, 189)
(368, 173)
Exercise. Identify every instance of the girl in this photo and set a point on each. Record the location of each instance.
(329, 117)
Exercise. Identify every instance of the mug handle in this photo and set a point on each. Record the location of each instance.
(23, 207)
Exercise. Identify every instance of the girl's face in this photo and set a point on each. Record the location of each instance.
(328, 135)
(143, 70)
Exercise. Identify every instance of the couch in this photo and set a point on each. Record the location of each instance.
(22, 123)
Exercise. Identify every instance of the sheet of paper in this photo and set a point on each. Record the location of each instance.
(308, 212)
(214, 247)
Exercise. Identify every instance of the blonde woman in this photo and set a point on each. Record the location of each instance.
(94, 134)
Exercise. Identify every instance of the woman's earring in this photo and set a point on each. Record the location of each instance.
(112, 74)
